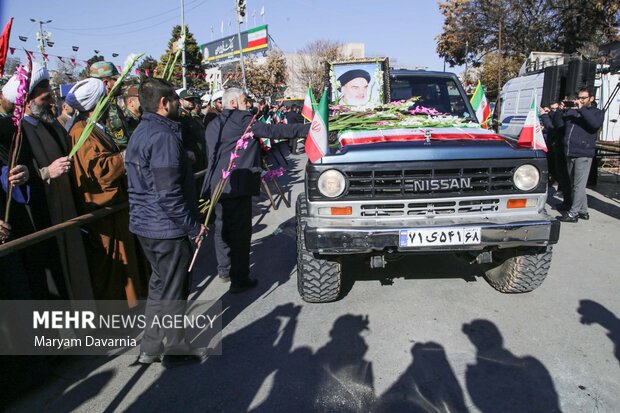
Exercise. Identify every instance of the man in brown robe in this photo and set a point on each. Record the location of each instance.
(47, 141)
(99, 173)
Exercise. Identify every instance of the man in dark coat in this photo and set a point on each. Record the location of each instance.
(581, 125)
(163, 213)
(233, 224)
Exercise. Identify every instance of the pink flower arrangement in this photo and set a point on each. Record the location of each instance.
(22, 94)
(273, 173)
(421, 110)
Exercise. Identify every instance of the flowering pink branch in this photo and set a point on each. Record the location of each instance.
(25, 76)
(242, 143)
(274, 173)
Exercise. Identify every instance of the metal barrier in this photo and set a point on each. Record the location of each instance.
(30, 239)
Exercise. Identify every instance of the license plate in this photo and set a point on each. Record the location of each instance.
(425, 237)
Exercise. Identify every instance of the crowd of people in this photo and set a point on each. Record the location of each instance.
(144, 150)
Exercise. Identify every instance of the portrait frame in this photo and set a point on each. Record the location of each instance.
(378, 68)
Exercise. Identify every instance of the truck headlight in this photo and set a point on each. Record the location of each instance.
(332, 183)
(526, 177)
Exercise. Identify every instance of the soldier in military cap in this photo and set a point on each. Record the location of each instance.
(133, 111)
(116, 125)
(192, 130)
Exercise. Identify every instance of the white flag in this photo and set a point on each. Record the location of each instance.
(262, 11)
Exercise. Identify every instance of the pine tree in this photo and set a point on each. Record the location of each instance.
(193, 59)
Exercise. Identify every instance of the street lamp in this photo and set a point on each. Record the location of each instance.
(42, 37)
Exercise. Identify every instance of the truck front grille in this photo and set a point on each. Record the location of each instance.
(408, 182)
(473, 206)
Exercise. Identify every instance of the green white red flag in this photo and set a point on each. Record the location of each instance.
(531, 135)
(480, 104)
(257, 36)
(316, 142)
(307, 111)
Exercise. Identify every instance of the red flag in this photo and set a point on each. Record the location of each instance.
(4, 44)
(45, 57)
(73, 62)
(29, 53)
(138, 72)
(148, 72)
(12, 50)
(307, 111)
(531, 135)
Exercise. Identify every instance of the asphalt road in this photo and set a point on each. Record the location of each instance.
(426, 334)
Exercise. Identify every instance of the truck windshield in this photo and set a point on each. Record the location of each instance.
(441, 94)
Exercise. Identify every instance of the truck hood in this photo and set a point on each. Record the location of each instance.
(414, 145)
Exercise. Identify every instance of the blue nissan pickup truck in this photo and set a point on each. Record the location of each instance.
(380, 194)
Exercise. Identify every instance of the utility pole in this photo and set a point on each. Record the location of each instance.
(183, 42)
(240, 6)
(42, 37)
(499, 75)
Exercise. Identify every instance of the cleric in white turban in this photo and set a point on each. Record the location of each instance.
(39, 74)
(85, 94)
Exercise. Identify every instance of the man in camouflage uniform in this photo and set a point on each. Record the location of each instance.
(192, 131)
(116, 125)
(132, 108)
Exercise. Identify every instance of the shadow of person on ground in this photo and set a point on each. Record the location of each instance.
(595, 313)
(231, 381)
(503, 382)
(603, 207)
(428, 385)
(336, 378)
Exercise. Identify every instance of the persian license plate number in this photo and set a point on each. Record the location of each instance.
(425, 237)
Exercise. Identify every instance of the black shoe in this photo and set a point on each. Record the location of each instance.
(194, 355)
(224, 278)
(585, 216)
(562, 207)
(245, 286)
(145, 358)
(567, 217)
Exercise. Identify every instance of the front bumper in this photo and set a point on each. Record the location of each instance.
(335, 237)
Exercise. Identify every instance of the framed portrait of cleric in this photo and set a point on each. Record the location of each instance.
(359, 82)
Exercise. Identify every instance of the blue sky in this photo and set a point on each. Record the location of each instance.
(400, 29)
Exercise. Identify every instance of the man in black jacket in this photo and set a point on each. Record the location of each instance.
(233, 224)
(580, 127)
(163, 213)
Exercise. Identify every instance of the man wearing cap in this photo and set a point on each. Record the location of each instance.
(99, 174)
(192, 131)
(66, 113)
(116, 124)
(216, 107)
(45, 146)
(354, 87)
(132, 108)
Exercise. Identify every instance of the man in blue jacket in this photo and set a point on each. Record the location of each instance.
(233, 213)
(163, 213)
(581, 125)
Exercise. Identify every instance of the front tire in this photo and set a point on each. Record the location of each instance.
(519, 270)
(318, 278)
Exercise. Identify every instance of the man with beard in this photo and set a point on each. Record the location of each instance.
(66, 113)
(99, 175)
(51, 195)
(354, 87)
(216, 107)
(116, 125)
